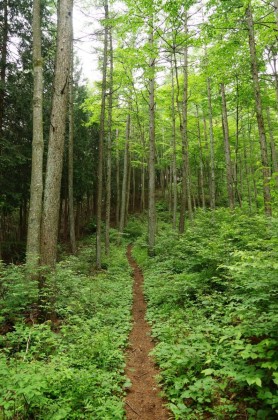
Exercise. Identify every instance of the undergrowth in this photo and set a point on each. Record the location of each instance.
(72, 368)
(212, 302)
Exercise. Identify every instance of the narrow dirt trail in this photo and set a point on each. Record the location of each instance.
(143, 401)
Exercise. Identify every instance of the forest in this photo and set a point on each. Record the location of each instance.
(138, 210)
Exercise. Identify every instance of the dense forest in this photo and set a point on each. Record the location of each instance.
(170, 162)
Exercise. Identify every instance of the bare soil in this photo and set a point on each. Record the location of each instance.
(143, 400)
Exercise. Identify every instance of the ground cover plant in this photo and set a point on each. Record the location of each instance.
(212, 299)
(71, 368)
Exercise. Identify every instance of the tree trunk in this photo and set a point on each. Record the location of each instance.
(259, 112)
(229, 172)
(125, 178)
(201, 160)
(152, 212)
(109, 146)
(51, 205)
(101, 141)
(117, 182)
(36, 188)
(211, 137)
(174, 154)
(70, 156)
(272, 146)
(186, 184)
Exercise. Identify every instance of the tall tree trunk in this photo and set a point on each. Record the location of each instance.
(152, 212)
(51, 204)
(174, 153)
(201, 160)
(125, 178)
(117, 181)
(3, 68)
(36, 189)
(259, 112)
(186, 184)
(101, 141)
(211, 137)
(109, 146)
(272, 146)
(229, 170)
(70, 156)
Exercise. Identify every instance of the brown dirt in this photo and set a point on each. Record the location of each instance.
(142, 401)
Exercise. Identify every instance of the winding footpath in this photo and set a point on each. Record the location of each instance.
(142, 401)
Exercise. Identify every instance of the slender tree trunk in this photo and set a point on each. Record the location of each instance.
(36, 189)
(3, 68)
(3, 64)
(259, 112)
(174, 154)
(238, 193)
(211, 137)
(51, 205)
(125, 178)
(229, 172)
(186, 184)
(272, 145)
(101, 141)
(152, 212)
(128, 190)
(109, 146)
(70, 156)
(117, 182)
(201, 160)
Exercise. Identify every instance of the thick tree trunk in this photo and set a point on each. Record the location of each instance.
(109, 146)
(101, 141)
(152, 212)
(70, 156)
(36, 189)
(51, 205)
(259, 112)
(229, 170)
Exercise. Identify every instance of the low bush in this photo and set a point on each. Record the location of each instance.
(72, 368)
(212, 302)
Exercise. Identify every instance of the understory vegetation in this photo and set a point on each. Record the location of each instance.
(212, 302)
(71, 367)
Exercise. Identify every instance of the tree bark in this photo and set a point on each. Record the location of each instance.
(125, 178)
(109, 146)
(70, 156)
(36, 188)
(174, 153)
(211, 137)
(101, 141)
(151, 212)
(201, 160)
(229, 171)
(186, 184)
(259, 112)
(51, 204)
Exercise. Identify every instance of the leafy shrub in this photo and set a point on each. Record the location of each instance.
(72, 368)
(212, 302)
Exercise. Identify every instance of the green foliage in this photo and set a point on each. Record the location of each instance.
(212, 297)
(71, 368)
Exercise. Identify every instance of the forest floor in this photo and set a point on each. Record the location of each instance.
(143, 400)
